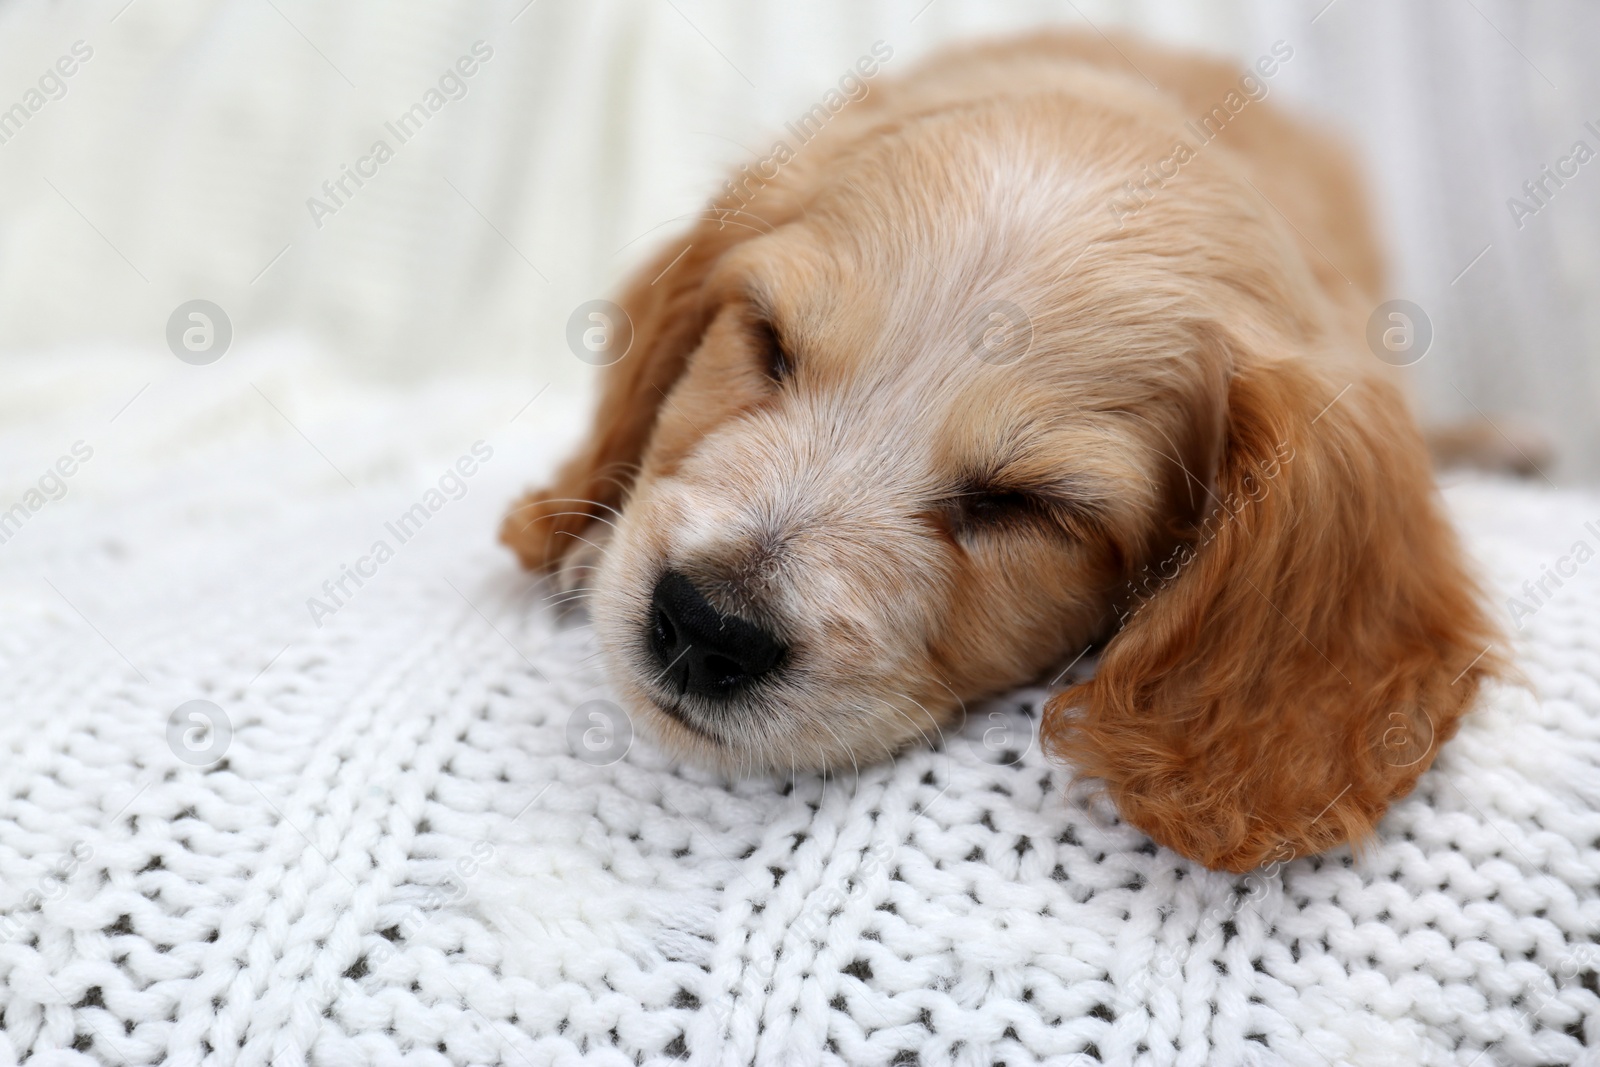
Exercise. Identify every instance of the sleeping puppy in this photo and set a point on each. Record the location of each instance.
(993, 371)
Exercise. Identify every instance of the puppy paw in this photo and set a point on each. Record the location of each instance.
(1504, 446)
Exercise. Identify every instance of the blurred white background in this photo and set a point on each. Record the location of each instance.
(177, 161)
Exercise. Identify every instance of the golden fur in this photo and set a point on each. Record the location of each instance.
(1196, 463)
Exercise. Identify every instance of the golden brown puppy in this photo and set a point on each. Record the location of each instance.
(992, 370)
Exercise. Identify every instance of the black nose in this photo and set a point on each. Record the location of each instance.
(699, 649)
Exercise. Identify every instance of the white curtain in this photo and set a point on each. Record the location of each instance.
(177, 162)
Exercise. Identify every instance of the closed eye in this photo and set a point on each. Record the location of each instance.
(771, 356)
(990, 507)
(981, 509)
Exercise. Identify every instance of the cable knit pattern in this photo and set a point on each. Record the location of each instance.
(402, 851)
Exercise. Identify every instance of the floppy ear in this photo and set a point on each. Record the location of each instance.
(1295, 668)
(668, 310)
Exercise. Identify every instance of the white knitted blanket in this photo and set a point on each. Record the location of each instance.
(411, 832)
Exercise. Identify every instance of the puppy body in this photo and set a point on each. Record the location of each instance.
(949, 399)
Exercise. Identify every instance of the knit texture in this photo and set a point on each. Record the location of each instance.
(422, 831)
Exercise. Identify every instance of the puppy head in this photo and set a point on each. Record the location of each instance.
(928, 431)
(922, 423)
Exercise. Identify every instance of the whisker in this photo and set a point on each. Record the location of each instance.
(624, 487)
(579, 514)
(926, 740)
(823, 722)
(575, 589)
(585, 540)
(1189, 475)
(933, 719)
(720, 216)
(581, 500)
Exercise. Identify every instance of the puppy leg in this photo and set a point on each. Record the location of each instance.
(1502, 447)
